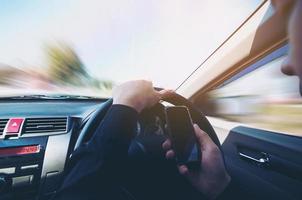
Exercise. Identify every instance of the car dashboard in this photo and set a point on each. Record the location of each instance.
(36, 138)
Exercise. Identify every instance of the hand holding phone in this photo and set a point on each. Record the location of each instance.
(182, 134)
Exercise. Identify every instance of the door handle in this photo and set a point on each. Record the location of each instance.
(263, 161)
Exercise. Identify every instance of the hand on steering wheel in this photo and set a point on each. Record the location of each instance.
(138, 95)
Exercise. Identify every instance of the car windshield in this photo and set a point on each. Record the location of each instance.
(83, 48)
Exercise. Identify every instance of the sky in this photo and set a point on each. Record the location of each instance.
(119, 40)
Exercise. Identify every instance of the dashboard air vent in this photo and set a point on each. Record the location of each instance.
(45, 125)
(3, 123)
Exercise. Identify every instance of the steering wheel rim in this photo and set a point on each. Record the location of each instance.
(93, 122)
(174, 99)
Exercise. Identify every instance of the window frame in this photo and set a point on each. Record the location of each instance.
(261, 34)
(282, 51)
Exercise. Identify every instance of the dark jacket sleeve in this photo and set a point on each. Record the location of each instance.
(230, 192)
(107, 149)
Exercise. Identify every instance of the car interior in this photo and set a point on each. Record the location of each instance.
(38, 134)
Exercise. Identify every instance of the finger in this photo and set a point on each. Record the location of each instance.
(183, 170)
(165, 93)
(146, 81)
(170, 154)
(203, 138)
(167, 145)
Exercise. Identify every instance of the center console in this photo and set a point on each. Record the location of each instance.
(33, 153)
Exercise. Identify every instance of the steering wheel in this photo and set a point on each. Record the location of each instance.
(175, 99)
(146, 155)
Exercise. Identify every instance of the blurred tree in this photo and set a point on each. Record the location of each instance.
(102, 84)
(64, 65)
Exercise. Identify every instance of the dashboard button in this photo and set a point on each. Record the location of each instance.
(22, 181)
(51, 182)
(14, 125)
(9, 170)
(35, 166)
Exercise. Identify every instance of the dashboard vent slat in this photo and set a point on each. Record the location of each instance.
(3, 123)
(45, 125)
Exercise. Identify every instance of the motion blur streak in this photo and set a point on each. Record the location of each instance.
(65, 74)
(264, 98)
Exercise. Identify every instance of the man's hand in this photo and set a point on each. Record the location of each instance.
(138, 94)
(212, 178)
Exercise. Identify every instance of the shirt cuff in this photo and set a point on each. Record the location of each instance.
(124, 107)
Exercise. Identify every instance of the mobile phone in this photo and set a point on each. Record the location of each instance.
(182, 134)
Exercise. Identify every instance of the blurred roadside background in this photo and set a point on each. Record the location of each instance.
(102, 43)
(64, 73)
(262, 97)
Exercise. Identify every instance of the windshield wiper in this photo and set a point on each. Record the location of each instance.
(47, 97)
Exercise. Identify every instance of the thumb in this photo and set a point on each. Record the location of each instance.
(165, 93)
(203, 138)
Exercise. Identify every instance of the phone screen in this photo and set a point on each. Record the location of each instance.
(182, 134)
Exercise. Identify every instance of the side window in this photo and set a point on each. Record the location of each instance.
(260, 96)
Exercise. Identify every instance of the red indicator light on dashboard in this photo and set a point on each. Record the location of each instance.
(13, 151)
(13, 126)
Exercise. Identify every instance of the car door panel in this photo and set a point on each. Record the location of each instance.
(278, 177)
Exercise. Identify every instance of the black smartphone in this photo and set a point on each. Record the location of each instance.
(182, 134)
